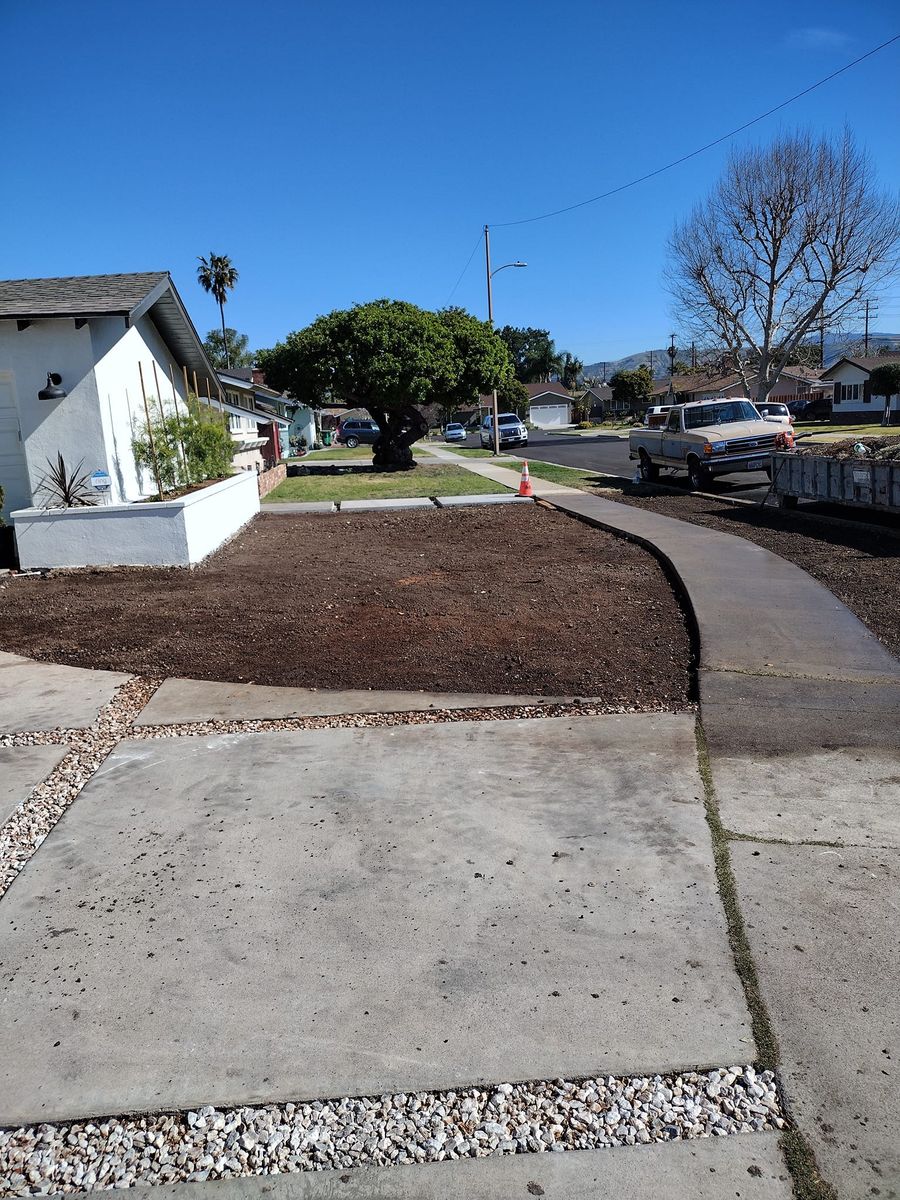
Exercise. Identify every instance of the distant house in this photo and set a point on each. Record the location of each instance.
(853, 399)
(549, 405)
(104, 341)
(794, 383)
(598, 400)
(256, 427)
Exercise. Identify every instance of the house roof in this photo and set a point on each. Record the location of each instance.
(601, 391)
(77, 295)
(540, 389)
(150, 293)
(865, 364)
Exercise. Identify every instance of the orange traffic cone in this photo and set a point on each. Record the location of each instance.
(525, 482)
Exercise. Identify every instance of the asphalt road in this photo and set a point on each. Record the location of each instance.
(608, 454)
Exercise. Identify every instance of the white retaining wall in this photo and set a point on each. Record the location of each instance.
(173, 533)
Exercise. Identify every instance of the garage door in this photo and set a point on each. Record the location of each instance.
(13, 471)
(546, 415)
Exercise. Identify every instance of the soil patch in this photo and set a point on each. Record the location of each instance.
(510, 600)
(859, 564)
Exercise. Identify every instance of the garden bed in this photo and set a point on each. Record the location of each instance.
(510, 600)
(174, 532)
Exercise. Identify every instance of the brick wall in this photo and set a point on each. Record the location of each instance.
(270, 479)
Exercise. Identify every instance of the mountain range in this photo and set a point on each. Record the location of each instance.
(836, 346)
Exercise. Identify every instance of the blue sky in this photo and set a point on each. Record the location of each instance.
(339, 153)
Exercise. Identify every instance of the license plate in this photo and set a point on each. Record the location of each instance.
(755, 464)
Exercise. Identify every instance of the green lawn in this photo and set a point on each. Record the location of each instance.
(570, 476)
(833, 433)
(472, 451)
(384, 485)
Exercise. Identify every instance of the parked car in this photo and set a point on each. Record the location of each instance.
(454, 432)
(509, 426)
(357, 430)
(707, 438)
(774, 410)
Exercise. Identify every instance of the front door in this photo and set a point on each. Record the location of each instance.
(13, 468)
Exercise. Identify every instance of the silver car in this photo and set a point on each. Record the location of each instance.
(454, 432)
(512, 431)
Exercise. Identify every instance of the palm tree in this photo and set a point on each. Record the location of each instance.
(217, 275)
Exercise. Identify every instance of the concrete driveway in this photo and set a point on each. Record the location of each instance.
(247, 926)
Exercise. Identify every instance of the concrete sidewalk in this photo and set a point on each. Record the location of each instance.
(800, 706)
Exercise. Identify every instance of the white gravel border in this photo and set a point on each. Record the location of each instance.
(24, 831)
(416, 1127)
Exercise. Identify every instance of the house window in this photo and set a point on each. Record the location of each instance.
(234, 422)
(849, 392)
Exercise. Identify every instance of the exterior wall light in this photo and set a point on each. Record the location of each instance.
(53, 391)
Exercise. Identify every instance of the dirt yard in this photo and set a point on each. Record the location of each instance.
(498, 600)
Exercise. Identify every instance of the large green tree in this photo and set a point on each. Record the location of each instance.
(217, 275)
(631, 389)
(533, 353)
(228, 348)
(387, 357)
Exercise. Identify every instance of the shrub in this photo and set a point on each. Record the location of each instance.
(188, 448)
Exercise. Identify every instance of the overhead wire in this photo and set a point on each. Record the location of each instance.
(463, 271)
(702, 149)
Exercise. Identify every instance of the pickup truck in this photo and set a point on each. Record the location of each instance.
(707, 438)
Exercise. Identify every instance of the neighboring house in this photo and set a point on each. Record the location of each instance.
(97, 334)
(598, 400)
(853, 399)
(794, 383)
(549, 405)
(258, 418)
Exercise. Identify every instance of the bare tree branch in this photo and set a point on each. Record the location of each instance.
(793, 237)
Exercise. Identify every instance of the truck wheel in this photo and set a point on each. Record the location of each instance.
(648, 469)
(698, 477)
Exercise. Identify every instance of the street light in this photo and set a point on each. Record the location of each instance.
(490, 300)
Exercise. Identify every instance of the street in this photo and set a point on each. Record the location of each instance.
(608, 453)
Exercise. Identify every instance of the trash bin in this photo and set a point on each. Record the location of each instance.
(326, 437)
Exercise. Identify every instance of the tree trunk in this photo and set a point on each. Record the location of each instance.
(224, 338)
(399, 429)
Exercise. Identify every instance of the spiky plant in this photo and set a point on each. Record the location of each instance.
(65, 488)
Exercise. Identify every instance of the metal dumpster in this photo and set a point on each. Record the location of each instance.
(863, 482)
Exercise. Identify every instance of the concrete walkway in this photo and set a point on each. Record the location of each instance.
(800, 707)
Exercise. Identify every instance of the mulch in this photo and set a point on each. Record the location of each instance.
(858, 562)
(518, 600)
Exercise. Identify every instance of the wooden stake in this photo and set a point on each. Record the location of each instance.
(178, 422)
(187, 390)
(150, 434)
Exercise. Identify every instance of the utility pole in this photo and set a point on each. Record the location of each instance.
(822, 342)
(866, 342)
(495, 423)
(651, 364)
(672, 353)
(693, 356)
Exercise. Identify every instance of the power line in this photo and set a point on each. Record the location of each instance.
(463, 271)
(693, 154)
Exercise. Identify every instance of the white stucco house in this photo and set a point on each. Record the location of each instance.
(853, 399)
(97, 335)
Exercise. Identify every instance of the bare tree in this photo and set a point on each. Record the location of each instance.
(793, 237)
